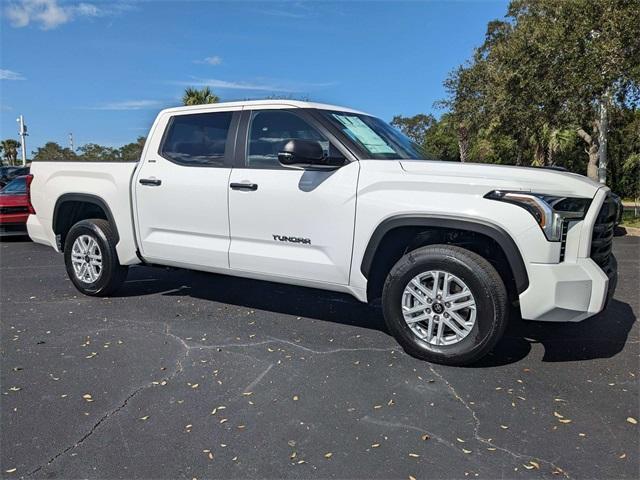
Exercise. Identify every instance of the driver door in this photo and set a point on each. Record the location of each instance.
(287, 221)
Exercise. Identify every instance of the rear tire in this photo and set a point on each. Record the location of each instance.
(448, 285)
(91, 259)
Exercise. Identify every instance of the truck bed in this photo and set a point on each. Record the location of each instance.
(54, 181)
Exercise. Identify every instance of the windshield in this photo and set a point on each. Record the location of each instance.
(15, 186)
(376, 138)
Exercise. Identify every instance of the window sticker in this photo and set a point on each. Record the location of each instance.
(364, 134)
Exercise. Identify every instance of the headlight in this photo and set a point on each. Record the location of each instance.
(549, 211)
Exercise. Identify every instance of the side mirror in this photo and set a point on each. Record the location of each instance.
(306, 154)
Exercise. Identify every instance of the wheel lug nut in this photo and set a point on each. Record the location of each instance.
(447, 304)
(428, 310)
(429, 300)
(438, 297)
(436, 317)
(446, 315)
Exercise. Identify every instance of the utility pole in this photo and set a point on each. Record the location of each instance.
(71, 141)
(22, 131)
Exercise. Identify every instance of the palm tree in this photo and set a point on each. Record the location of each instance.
(548, 141)
(559, 140)
(10, 149)
(195, 96)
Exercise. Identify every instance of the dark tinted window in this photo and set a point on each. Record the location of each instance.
(270, 130)
(198, 139)
(15, 186)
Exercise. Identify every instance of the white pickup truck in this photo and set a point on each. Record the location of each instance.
(332, 198)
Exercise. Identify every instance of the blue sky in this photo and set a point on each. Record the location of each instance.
(103, 69)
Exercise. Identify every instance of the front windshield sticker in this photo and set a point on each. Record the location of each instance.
(361, 132)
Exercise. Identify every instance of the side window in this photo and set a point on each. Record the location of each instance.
(270, 130)
(197, 139)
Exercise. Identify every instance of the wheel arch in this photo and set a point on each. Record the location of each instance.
(70, 208)
(439, 222)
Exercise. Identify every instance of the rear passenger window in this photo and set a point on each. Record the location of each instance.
(198, 139)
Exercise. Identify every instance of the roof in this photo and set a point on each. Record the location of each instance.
(282, 103)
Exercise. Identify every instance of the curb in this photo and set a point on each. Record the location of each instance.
(623, 230)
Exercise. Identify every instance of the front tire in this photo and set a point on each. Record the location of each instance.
(91, 259)
(445, 304)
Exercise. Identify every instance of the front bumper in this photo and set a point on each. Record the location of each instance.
(582, 284)
(567, 292)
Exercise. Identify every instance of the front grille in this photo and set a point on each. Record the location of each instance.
(602, 238)
(8, 210)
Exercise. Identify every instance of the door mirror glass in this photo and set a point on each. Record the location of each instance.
(307, 154)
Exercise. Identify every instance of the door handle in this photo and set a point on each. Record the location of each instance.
(150, 181)
(244, 186)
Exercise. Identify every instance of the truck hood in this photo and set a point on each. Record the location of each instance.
(504, 177)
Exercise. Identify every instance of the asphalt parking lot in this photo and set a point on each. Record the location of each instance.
(192, 375)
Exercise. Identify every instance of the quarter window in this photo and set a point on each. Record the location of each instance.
(197, 139)
(270, 130)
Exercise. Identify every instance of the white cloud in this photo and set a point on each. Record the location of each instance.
(214, 60)
(127, 105)
(49, 14)
(254, 86)
(10, 75)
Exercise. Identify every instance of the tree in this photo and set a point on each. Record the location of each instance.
(415, 127)
(94, 152)
(53, 151)
(576, 59)
(437, 138)
(195, 96)
(10, 150)
(551, 66)
(132, 151)
(465, 93)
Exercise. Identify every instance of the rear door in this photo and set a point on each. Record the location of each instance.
(290, 222)
(182, 189)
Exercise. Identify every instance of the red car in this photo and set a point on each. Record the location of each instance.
(15, 207)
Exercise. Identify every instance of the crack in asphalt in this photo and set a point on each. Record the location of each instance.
(187, 347)
(180, 368)
(89, 433)
(259, 378)
(384, 423)
(110, 413)
(486, 441)
(270, 340)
